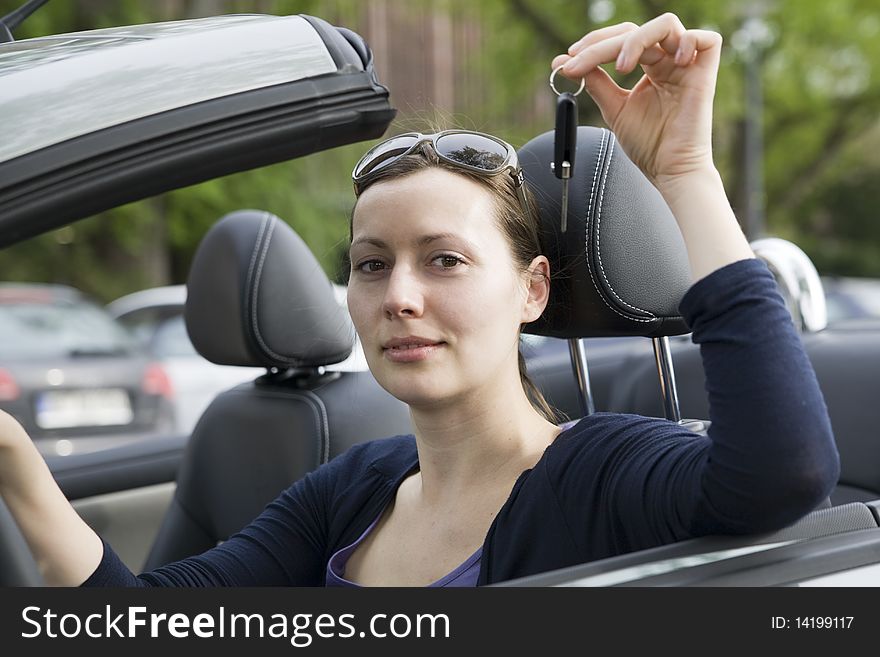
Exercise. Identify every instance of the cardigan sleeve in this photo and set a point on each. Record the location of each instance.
(289, 543)
(629, 482)
(284, 545)
(772, 456)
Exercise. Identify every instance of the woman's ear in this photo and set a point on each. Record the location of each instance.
(538, 281)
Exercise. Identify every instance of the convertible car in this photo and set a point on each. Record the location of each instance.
(110, 116)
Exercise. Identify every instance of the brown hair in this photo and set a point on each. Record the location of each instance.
(521, 231)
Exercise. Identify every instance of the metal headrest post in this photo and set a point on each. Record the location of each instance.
(621, 265)
(666, 372)
(578, 354)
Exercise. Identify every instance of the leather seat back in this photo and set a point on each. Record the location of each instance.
(257, 296)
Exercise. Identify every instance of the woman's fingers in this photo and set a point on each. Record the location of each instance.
(603, 52)
(606, 93)
(705, 43)
(687, 48)
(600, 35)
(629, 45)
(665, 31)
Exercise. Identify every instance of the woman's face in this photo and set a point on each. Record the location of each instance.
(434, 294)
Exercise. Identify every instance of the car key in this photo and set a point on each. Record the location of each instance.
(565, 145)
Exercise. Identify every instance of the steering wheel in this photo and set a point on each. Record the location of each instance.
(17, 565)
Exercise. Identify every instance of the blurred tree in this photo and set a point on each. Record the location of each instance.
(821, 97)
(152, 242)
(485, 66)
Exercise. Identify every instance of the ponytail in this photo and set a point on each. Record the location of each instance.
(535, 396)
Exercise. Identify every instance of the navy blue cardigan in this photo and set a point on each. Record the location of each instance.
(610, 484)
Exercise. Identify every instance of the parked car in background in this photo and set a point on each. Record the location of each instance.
(274, 88)
(155, 319)
(850, 298)
(69, 371)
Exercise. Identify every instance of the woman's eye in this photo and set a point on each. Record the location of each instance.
(447, 261)
(371, 266)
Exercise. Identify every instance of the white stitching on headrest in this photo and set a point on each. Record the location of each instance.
(598, 233)
(268, 219)
(599, 159)
(590, 211)
(250, 273)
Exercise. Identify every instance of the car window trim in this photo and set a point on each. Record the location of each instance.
(52, 187)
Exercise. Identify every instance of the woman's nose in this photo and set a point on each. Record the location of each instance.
(403, 294)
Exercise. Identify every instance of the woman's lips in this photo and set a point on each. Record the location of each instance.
(411, 353)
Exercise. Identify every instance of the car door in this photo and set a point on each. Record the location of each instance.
(116, 115)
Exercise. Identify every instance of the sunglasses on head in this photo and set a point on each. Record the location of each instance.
(476, 152)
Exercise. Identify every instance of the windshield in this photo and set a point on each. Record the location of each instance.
(31, 329)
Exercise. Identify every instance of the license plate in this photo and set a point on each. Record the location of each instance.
(57, 409)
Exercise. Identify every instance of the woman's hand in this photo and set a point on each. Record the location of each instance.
(664, 123)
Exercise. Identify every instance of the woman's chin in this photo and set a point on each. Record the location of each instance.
(413, 394)
(416, 399)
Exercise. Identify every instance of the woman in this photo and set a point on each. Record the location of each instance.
(446, 268)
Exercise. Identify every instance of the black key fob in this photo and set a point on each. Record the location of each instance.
(565, 140)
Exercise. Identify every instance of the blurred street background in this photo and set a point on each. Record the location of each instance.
(797, 122)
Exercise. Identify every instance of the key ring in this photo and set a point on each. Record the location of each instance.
(553, 87)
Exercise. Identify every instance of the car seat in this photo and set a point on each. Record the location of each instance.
(621, 267)
(258, 297)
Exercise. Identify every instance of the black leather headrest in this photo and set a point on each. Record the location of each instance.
(257, 296)
(621, 267)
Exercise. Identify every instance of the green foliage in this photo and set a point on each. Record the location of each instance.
(821, 140)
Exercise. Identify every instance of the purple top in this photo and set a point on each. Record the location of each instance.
(465, 575)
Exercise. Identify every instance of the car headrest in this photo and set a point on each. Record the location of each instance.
(621, 267)
(256, 296)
